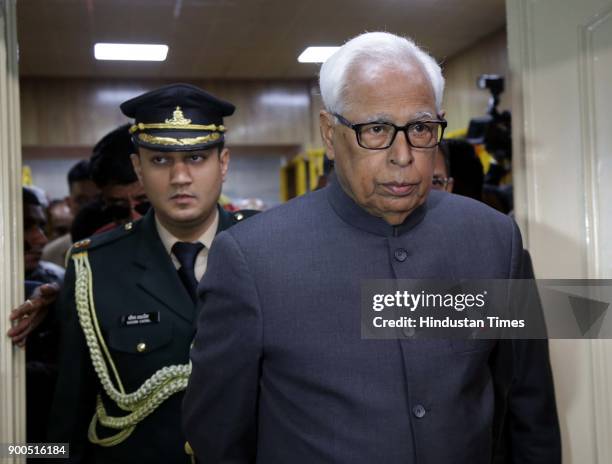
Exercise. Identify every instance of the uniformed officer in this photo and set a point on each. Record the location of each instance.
(128, 306)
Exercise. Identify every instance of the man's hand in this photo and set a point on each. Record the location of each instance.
(32, 312)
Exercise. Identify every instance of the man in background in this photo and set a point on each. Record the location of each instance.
(59, 219)
(464, 167)
(82, 190)
(441, 178)
(44, 278)
(35, 239)
(122, 197)
(114, 175)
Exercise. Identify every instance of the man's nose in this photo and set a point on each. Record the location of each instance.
(400, 152)
(180, 174)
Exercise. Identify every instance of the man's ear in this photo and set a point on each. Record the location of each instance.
(135, 158)
(224, 158)
(327, 126)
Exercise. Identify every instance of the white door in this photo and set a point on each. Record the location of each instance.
(561, 70)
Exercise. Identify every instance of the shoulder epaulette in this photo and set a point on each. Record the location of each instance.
(105, 238)
(243, 214)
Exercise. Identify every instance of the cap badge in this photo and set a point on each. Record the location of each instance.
(178, 118)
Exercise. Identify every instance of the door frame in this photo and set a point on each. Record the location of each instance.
(12, 359)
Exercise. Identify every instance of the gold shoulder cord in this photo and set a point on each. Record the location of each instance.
(155, 390)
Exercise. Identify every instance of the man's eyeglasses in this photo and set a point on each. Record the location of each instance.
(439, 183)
(380, 135)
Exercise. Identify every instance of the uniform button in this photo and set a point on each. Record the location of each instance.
(408, 331)
(141, 347)
(419, 411)
(239, 216)
(400, 255)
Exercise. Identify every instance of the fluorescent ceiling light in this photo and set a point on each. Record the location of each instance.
(130, 52)
(114, 97)
(284, 99)
(316, 54)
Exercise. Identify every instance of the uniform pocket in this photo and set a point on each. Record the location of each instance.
(141, 339)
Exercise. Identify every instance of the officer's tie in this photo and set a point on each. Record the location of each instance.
(186, 254)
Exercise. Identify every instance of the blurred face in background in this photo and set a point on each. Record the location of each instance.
(441, 179)
(125, 202)
(183, 186)
(60, 219)
(34, 237)
(81, 193)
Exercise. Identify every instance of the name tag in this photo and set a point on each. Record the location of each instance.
(140, 319)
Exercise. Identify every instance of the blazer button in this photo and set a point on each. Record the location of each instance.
(408, 332)
(141, 347)
(419, 411)
(400, 255)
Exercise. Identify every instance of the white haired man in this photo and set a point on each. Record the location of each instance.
(281, 373)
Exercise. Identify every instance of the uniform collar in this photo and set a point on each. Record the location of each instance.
(226, 220)
(169, 240)
(356, 216)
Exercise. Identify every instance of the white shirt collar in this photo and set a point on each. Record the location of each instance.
(206, 238)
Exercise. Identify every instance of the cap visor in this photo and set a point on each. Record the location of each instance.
(178, 140)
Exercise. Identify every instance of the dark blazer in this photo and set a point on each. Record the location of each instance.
(282, 375)
(132, 274)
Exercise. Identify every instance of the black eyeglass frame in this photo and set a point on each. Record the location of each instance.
(397, 129)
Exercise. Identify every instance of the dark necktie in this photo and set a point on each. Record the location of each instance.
(186, 254)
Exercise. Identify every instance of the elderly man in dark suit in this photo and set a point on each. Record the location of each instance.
(281, 373)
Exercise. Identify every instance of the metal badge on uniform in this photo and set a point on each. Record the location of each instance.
(140, 319)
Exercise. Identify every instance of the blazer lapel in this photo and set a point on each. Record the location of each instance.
(159, 277)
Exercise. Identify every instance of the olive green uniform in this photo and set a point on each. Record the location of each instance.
(128, 288)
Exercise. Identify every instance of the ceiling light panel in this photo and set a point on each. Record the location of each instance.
(130, 52)
(316, 54)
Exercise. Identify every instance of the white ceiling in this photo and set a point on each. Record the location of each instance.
(233, 38)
